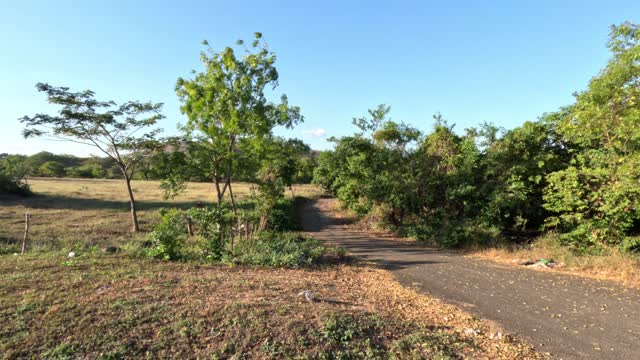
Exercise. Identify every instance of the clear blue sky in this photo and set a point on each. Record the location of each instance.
(473, 61)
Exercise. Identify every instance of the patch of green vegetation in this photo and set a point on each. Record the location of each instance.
(279, 250)
(217, 237)
(358, 337)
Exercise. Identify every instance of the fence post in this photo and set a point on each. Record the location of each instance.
(27, 217)
(190, 226)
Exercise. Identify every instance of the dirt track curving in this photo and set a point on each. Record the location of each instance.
(567, 316)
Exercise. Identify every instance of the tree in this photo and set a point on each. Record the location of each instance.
(515, 168)
(51, 169)
(227, 109)
(373, 171)
(13, 175)
(596, 199)
(115, 130)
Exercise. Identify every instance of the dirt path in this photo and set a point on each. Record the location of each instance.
(569, 317)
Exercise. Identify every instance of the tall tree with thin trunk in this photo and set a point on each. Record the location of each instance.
(122, 132)
(228, 112)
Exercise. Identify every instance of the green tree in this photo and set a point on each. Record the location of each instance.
(515, 169)
(115, 130)
(228, 111)
(13, 175)
(375, 170)
(51, 169)
(596, 199)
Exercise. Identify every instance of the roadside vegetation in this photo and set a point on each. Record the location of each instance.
(573, 173)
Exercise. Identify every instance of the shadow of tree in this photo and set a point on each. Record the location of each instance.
(383, 253)
(77, 203)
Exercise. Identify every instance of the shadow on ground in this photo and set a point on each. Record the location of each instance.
(74, 203)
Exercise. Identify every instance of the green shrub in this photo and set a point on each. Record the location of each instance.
(12, 186)
(213, 225)
(283, 215)
(631, 244)
(216, 238)
(279, 250)
(168, 237)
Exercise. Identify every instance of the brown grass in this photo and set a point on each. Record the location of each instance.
(116, 307)
(67, 213)
(614, 265)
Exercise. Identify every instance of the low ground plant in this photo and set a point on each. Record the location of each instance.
(278, 250)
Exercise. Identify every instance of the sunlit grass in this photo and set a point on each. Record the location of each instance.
(71, 213)
(612, 265)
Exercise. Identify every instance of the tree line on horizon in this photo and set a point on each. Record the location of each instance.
(46, 164)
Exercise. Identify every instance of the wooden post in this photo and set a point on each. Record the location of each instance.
(190, 226)
(27, 217)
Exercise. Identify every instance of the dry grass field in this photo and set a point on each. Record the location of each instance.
(79, 213)
(115, 306)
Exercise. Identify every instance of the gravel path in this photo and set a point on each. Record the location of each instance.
(569, 317)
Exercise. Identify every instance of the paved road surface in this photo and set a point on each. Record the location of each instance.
(569, 317)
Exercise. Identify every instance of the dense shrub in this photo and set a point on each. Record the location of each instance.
(13, 178)
(576, 170)
(13, 186)
(219, 234)
(168, 237)
(283, 216)
(596, 199)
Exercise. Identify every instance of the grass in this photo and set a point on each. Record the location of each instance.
(84, 213)
(612, 265)
(114, 307)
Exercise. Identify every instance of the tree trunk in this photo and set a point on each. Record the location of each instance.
(132, 201)
(233, 200)
(219, 193)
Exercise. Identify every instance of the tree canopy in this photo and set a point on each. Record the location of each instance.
(118, 131)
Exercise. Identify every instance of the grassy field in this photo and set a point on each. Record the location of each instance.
(115, 306)
(81, 213)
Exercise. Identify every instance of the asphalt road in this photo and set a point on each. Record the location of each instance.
(569, 317)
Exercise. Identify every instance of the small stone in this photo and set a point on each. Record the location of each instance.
(308, 295)
(472, 332)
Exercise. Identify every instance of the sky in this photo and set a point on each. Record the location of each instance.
(504, 62)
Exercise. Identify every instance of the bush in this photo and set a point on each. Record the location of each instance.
(214, 226)
(283, 215)
(216, 238)
(12, 186)
(168, 237)
(279, 250)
